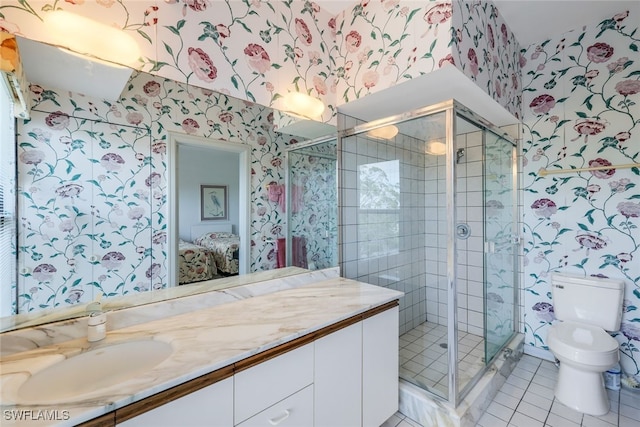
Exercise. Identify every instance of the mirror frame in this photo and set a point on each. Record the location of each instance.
(244, 151)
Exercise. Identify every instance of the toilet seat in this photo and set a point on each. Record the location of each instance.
(582, 343)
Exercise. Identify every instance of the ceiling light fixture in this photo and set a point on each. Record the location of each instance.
(436, 148)
(385, 132)
(88, 37)
(303, 105)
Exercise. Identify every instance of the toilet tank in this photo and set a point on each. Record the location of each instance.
(592, 300)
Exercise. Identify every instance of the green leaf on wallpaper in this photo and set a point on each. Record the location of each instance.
(633, 47)
(145, 36)
(634, 73)
(76, 177)
(373, 34)
(234, 81)
(412, 14)
(174, 30)
(168, 48)
(26, 144)
(607, 102)
(581, 114)
(587, 102)
(564, 230)
(636, 292)
(276, 66)
(157, 65)
(245, 27)
(395, 42)
(180, 24)
(583, 227)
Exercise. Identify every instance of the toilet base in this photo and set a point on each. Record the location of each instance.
(581, 390)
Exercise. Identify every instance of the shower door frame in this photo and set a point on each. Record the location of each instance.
(287, 186)
(450, 108)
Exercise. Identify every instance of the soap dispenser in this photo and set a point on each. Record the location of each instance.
(97, 326)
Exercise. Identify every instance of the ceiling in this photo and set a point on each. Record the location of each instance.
(534, 21)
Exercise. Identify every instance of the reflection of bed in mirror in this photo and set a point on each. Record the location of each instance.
(213, 252)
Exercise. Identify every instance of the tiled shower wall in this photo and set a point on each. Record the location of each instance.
(404, 269)
(468, 190)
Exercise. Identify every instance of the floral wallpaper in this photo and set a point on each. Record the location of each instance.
(382, 44)
(92, 178)
(582, 109)
(315, 203)
(254, 50)
(485, 49)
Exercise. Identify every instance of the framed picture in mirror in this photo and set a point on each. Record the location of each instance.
(213, 202)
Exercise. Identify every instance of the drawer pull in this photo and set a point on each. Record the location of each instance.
(281, 418)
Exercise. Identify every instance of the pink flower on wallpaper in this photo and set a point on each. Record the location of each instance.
(134, 118)
(505, 34)
(544, 208)
(370, 79)
(202, 65)
(542, 104)
(514, 81)
(498, 88)
(604, 173)
(159, 147)
(112, 260)
(262, 140)
(69, 190)
(136, 212)
(151, 88)
(319, 85)
(591, 74)
(57, 120)
(446, 60)
(588, 127)
(629, 209)
(111, 162)
(257, 57)
(523, 61)
(44, 272)
(298, 53)
(276, 162)
(197, 5)
(153, 180)
(223, 31)
(302, 30)
(389, 4)
(599, 52)
(619, 17)
(490, 38)
(154, 271)
(190, 126)
(225, 117)
(473, 61)
(439, 14)
(353, 41)
(618, 65)
(628, 87)
(622, 136)
(332, 26)
(31, 157)
(591, 241)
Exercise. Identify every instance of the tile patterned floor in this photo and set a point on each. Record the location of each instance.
(527, 400)
(423, 359)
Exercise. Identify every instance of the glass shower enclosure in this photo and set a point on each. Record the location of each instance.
(428, 207)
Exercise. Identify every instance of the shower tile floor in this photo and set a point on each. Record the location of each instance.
(423, 357)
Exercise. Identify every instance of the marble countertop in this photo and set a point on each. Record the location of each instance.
(203, 341)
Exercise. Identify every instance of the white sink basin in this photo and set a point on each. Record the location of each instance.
(93, 370)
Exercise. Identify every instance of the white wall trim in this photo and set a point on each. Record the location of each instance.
(244, 175)
(538, 352)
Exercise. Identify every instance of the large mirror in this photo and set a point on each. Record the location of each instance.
(161, 190)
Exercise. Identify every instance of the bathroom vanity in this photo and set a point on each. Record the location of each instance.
(321, 354)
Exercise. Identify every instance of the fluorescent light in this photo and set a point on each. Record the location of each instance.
(88, 37)
(385, 132)
(436, 148)
(303, 105)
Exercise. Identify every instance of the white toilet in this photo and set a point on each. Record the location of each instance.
(587, 307)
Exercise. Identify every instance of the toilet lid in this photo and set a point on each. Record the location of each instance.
(581, 342)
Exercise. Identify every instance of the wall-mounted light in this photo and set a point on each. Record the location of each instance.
(88, 37)
(301, 104)
(385, 132)
(436, 148)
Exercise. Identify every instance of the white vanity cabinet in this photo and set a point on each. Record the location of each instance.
(209, 406)
(342, 375)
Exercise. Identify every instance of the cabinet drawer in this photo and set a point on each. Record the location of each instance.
(261, 386)
(294, 411)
